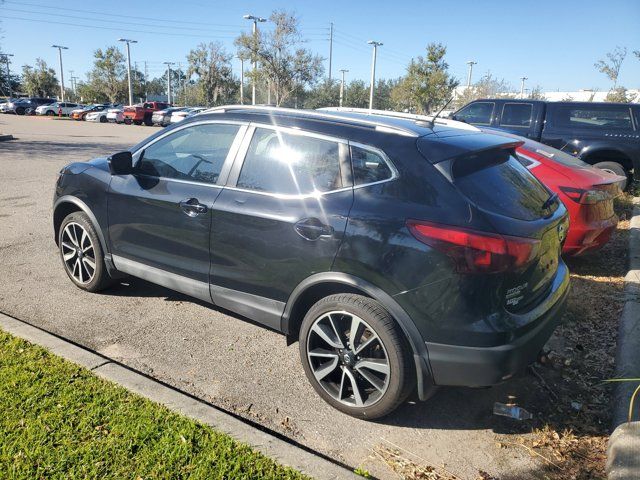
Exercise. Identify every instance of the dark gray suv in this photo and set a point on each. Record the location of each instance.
(403, 254)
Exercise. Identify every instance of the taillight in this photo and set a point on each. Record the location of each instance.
(474, 251)
(586, 197)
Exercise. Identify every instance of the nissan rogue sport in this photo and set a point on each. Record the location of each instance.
(403, 253)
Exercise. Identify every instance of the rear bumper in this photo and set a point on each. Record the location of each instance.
(590, 237)
(455, 365)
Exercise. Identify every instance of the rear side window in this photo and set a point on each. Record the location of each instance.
(368, 166)
(194, 153)
(496, 181)
(595, 117)
(478, 113)
(283, 163)
(516, 115)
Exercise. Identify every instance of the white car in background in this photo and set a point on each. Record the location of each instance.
(182, 114)
(65, 108)
(115, 115)
(96, 117)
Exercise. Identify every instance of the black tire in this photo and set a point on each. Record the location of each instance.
(401, 378)
(100, 279)
(103, 119)
(50, 113)
(20, 111)
(137, 122)
(614, 167)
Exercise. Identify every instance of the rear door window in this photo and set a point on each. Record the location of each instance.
(478, 113)
(516, 115)
(288, 164)
(594, 117)
(496, 181)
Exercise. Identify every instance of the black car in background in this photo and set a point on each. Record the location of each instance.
(605, 135)
(402, 254)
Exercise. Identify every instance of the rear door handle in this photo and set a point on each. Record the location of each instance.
(193, 207)
(313, 229)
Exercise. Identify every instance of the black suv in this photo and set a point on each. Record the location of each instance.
(402, 254)
(605, 135)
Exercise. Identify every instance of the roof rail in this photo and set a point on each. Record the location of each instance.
(405, 115)
(319, 113)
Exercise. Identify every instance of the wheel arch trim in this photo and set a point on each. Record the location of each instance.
(85, 208)
(413, 336)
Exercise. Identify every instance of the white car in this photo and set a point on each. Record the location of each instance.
(65, 108)
(96, 117)
(115, 115)
(182, 114)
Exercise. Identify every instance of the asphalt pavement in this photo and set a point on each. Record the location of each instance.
(205, 351)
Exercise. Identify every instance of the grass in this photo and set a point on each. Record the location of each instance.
(58, 420)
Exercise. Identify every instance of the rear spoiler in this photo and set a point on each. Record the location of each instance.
(437, 150)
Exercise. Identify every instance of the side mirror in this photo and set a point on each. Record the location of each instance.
(121, 163)
(452, 117)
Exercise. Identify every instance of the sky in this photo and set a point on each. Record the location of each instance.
(553, 43)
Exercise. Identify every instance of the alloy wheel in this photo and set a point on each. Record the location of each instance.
(348, 359)
(78, 253)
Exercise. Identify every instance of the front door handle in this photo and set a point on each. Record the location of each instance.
(313, 229)
(193, 207)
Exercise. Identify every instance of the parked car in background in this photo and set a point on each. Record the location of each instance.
(27, 106)
(163, 117)
(99, 115)
(115, 115)
(605, 135)
(586, 191)
(402, 254)
(64, 108)
(81, 114)
(186, 112)
(142, 112)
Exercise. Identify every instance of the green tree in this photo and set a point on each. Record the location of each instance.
(87, 93)
(40, 81)
(214, 83)
(427, 83)
(109, 74)
(356, 95)
(487, 87)
(325, 94)
(611, 66)
(284, 63)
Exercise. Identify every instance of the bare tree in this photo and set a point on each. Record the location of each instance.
(611, 66)
(487, 87)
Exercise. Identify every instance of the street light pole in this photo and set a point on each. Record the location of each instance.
(241, 81)
(255, 61)
(373, 70)
(343, 71)
(522, 79)
(60, 48)
(128, 41)
(471, 63)
(5, 57)
(330, 49)
(168, 64)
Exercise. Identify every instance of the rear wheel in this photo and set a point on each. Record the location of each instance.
(50, 113)
(20, 111)
(103, 119)
(615, 168)
(355, 356)
(137, 122)
(82, 254)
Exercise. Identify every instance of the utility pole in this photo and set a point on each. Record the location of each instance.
(373, 70)
(330, 48)
(74, 85)
(343, 71)
(5, 57)
(168, 64)
(128, 41)
(471, 63)
(255, 60)
(241, 80)
(522, 79)
(146, 72)
(60, 48)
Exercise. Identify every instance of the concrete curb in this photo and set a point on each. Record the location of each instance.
(272, 446)
(623, 455)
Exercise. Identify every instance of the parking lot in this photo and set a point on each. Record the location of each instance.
(249, 370)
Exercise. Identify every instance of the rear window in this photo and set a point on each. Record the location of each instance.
(496, 181)
(594, 117)
(554, 154)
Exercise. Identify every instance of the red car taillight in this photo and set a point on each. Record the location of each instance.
(588, 197)
(474, 251)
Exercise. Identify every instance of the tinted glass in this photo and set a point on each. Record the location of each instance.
(278, 162)
(497, 182)
(368, 166)
(595, 117)
(554, 154)
(516, 115)
(195, 153)
(479, 113)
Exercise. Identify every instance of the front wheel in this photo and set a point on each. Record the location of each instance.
(355, 356)
(103, 119)
(82, 254)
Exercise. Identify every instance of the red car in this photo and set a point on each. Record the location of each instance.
(587, 192)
